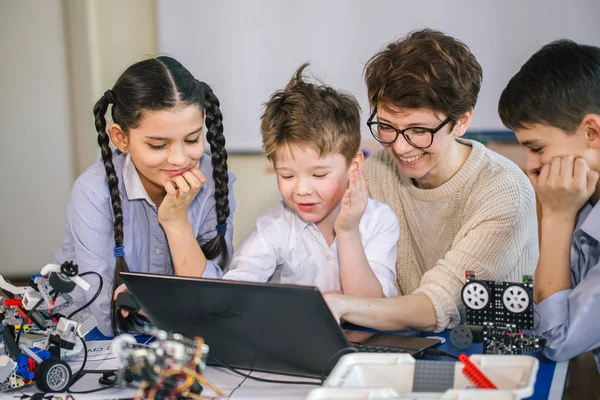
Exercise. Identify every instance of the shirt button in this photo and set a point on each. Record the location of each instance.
(328, 257)
(157, 251)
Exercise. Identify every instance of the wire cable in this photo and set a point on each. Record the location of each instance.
(235, 371)
(25, 319)
(92, 390)
(238, 386)
(86, 305)
(81, 372)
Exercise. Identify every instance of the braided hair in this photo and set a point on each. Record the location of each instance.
(161, 83)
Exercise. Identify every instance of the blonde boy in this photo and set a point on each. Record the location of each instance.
(326, 232)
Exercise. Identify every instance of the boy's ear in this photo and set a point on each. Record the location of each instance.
(591, 126)
(461, 126)
(357, 161)
(118, 137)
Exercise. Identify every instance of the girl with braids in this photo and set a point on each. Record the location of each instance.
(157, 204)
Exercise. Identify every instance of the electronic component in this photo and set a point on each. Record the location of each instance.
(169, 368)
(498, 303)
(510, 340)
(37, 333)
(500, 314)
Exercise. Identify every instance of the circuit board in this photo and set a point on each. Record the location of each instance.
(498, 303)
(508, 340)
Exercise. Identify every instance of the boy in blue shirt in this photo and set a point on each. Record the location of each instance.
(553, 105)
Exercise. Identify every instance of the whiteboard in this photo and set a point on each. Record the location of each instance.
(248, 49)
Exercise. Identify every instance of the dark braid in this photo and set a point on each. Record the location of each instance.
(161, 83)
(118, 322)
(217, 246)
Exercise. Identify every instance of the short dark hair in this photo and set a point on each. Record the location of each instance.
(557, 86)
(425, 69)
(311, 115)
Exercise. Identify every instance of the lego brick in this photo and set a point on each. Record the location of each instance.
(433, 376)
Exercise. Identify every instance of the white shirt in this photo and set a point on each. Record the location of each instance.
(283, 248)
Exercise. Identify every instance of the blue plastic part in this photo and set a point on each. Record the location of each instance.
(23, 367)
(41, 353)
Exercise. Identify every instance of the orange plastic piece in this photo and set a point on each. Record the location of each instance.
(23, 315)
(474, 374)
(13, 302)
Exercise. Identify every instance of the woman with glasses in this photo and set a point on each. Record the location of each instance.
(461, 206)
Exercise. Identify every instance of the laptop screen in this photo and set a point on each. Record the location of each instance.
(284, 329)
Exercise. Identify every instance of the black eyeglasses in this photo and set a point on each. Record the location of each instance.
(416, 136)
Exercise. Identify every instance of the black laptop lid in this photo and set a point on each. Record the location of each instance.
(265, 327)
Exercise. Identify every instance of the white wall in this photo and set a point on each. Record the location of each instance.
(255, 191)
(36, 166)
(246, 50)
(104, 37)
(58, 57)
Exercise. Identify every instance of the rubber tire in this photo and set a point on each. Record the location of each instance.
(461, 337)
(44, 380)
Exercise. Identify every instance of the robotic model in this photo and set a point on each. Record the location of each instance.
(499, 314)
(41, 327)
(169, 368)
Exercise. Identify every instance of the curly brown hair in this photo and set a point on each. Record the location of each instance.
(425, 69)
(311, 115)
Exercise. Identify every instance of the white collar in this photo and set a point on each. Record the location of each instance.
(133, 184)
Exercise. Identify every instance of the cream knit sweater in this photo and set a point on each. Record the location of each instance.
(483, 220)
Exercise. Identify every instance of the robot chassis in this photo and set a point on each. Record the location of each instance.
(169, 368)
(499, 314)
(41, 327)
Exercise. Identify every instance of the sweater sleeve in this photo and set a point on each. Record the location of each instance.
(499, 227)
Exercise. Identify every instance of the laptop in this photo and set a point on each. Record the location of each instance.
(284, 329)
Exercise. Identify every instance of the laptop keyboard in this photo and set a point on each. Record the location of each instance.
(376, 349)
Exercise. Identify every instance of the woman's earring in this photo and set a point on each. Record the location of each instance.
(125, 149)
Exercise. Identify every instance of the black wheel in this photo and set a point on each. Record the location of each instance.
(461, 337)
(53, 376)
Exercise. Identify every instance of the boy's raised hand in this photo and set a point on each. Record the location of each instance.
(181, 190)
(353, 204)
(564, 185)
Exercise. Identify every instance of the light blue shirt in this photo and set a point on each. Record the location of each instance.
(89, 237)
(570, 319)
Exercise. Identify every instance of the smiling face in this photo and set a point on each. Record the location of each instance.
(311, 185)
(543, 143)
(434, 165)
(165, 144)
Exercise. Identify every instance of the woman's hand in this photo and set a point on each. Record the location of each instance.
(335, 302)
(181, 190)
